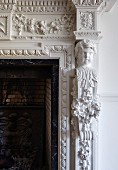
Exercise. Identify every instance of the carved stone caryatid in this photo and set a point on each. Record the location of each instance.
(85, 106)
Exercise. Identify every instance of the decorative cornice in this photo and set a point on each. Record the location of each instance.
(7, 5)
(44, 6)
(8, 1)
(87, 3)
(92, 35)
(37, 6)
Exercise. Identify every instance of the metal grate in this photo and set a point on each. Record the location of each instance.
(22, 92)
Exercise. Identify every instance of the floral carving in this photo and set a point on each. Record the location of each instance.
(85, 105)
(30, 25)
(67, 21)
(85, 108)
(19, 22)
(54, 27)
(87, 20)
(22, 23)
(41, 27)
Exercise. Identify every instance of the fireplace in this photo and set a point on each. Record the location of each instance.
(29, 114)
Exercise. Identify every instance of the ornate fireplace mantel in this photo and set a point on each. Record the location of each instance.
(49, 29)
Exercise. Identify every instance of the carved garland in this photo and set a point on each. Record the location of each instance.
(85, 105)
(23, 24)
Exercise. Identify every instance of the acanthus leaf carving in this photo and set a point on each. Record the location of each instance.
(87, 20)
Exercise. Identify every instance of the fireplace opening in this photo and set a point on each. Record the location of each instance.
(29, 114)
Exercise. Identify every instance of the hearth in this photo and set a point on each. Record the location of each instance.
(29, 114)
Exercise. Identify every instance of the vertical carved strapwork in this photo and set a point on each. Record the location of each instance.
(85, 106)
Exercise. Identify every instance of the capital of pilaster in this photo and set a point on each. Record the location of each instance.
(87, 19)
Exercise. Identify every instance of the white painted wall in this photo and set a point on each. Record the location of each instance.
(108, 88)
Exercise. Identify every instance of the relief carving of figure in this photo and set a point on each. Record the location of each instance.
(85, 106)
(86, 76)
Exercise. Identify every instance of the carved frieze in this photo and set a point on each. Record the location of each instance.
(64, 24)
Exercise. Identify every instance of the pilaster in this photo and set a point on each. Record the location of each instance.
(83, 119)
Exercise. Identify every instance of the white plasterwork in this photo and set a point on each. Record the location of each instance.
(5, 25)
(25, 25)
(43, 29)
(85, 105)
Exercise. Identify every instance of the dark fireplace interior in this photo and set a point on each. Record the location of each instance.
(29, 114)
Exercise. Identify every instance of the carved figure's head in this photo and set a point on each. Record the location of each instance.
(84, 52)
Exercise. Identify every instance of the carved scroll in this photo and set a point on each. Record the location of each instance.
(85, 106)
